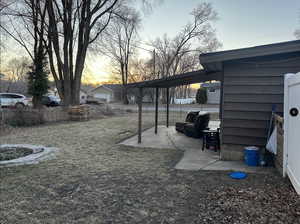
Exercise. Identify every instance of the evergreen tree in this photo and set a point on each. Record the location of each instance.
(201, 96)
(38, 83)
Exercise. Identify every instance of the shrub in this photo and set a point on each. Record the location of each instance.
(23, 117)
(201, 96)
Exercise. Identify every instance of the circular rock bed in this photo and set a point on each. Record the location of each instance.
(12, 155)
(9, 153)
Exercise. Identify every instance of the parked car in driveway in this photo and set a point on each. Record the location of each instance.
(13, 100)
(51, 101)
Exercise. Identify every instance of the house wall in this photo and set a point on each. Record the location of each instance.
(83, 97)
(103, 94)
(147, 99)
(190, 100)
(251, 87)
(213, 97)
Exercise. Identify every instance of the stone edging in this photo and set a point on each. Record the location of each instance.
(40, 153)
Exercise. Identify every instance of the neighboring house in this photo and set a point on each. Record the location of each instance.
(213, 91)
(148, 95)
(190, 100)
(107, 92)
(185, 95)
(83, 96)
(52, 92)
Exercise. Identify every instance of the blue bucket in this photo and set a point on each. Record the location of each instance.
(251, 156)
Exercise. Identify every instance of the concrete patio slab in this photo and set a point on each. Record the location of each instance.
(194, 158)
(151, 140)
(237, 166)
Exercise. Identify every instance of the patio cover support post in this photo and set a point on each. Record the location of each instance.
(168, 107)
(156, 108)
(140, 102)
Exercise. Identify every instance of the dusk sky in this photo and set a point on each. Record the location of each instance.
(242, 23)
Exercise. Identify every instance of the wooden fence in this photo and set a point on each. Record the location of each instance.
(54, 114)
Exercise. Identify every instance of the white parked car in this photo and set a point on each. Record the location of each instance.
(13, 100)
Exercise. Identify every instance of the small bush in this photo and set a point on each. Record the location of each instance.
(201, 96)
(23, 118)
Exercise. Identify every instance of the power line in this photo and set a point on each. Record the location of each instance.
(139, 47)
(154, 48)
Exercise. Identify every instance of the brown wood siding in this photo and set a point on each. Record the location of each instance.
(250, 81)
(253, 98)
(235, 123)
(247, 115)
(256, 107)
(244, 140)
(251, 87)
(252, 71)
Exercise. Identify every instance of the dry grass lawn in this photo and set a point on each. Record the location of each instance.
(94, 180)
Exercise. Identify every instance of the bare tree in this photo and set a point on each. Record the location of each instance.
(149, 5)
(189, 62)
(118, 40)
(175, 55)
(73, 27)
(15, 79)
(27, 26)
(170, 51)
(66, 29)
(297, 34)
(3, 5)
(141, 70)
(25, 23)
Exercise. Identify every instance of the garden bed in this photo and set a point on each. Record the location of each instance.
(9, 153)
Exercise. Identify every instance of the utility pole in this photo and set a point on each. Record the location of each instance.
(1, 76)
(154, 62)
(1, 114)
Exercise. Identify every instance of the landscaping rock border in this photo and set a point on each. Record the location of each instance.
(40, 153)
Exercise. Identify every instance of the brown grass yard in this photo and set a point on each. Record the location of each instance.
(93, 180)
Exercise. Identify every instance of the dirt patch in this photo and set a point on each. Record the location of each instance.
(5, 129)
(100, 110)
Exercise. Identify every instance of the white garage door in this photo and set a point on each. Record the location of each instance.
(102, 96)
(292, 129)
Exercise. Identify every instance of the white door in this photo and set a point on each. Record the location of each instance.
(102, 96)
(292, 129)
